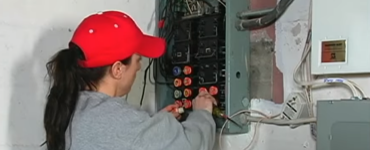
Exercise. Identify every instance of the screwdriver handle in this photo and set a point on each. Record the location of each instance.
(180, 110)
(217, 112)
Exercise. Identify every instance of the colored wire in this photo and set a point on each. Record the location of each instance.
(168, 16)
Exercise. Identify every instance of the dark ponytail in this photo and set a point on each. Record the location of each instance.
(67, 79)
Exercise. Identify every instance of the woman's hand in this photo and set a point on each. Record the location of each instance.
(204, 101)
(173, 108)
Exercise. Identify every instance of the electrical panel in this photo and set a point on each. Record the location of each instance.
(198, 58)
(340, 37)
(343, 125)
(206, 52)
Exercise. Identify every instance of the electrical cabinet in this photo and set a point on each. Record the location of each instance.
(343, 125)
(206, 52)
(340, 36)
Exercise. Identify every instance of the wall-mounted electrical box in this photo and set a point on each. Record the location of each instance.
(343, 125)
(340, 37)
(205, 52)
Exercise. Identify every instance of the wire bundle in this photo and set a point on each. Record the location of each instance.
(167, 18)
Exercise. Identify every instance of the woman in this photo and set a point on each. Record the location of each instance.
(84, 109)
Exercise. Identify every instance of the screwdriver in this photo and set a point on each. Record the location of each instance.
(179, 110)
(218, 113)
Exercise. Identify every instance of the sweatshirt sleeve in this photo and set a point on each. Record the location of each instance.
(163, 131)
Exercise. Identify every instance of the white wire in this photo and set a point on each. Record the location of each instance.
(187, 3)
(222, 3)
(264, 119)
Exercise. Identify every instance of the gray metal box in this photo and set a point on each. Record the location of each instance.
(343, 125)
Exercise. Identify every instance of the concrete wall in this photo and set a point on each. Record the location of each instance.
(32, 31)
(266, 78)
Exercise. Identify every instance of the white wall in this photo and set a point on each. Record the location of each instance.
(30, 32)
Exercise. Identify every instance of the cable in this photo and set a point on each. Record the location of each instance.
(144, 84)
(187, 4)
(265, 119)
(165, 31)
(163, 13)
(222, 3)
(266, 20)
(281, 122)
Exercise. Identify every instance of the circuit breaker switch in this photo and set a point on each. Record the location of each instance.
(203, 89)
(187, 70)
(177, 82)
(187, 81)
(187, 92)
(213, 90)
(176, 71)
(177, 94)
(187, 104)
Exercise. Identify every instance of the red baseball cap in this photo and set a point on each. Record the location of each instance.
(112, 36)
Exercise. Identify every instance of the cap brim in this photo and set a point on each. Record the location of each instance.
(152, 47)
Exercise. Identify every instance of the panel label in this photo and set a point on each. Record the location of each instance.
(333, 51)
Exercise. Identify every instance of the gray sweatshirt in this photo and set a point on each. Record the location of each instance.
(102, 122)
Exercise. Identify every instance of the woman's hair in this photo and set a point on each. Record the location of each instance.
(67, 79)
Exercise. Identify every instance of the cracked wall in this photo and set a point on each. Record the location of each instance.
(266, 78)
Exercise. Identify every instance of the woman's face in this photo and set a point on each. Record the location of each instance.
(129, 75)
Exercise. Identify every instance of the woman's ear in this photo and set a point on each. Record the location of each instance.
(117, 70)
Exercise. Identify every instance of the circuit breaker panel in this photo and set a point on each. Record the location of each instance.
(198, 59)
(205, 52)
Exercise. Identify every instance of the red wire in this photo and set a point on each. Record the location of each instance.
(161, 24)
